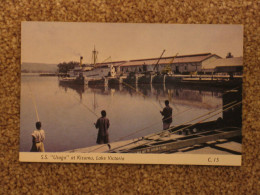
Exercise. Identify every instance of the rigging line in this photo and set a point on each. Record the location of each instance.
(206, 118)
(175, 115)
(222, 110)
(174, 105)
(94, 87)
(171, 103)
(208, 113)
(132, 133)
(86, 106)
(138, 92)
(168, 118)
(160, 104)
(135, 133)
(34, 102)
(111, 99)
(176, 126)
(183, 127)
(96, 116)
(227, 91)
(171, 128)
(170, 97)
(98, 148)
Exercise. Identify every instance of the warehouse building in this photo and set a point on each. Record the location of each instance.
(233, 65)
(179, 65)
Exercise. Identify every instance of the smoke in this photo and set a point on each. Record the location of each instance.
(77, 53)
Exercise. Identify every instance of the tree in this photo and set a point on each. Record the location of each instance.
(66, 66)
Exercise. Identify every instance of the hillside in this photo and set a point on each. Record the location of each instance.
(38, 67)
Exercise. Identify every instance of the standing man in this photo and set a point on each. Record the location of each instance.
(167, 115)
(102, 125)
(38, 136)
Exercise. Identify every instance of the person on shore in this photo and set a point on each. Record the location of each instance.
(38, 136)
(102, 125)
(167, 115)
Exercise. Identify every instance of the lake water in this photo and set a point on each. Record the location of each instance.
(68, 113)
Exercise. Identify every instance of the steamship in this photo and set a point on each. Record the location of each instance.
(82, 74)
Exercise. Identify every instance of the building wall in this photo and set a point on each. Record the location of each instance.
(206, 63)
(186, 67)
(140, 68)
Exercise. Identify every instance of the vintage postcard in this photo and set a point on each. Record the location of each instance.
(131, 93)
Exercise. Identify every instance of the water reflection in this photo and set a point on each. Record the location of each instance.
(68, 112)
(199, 97)
(80, 89)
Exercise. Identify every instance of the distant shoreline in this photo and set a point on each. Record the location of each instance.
(30, 74)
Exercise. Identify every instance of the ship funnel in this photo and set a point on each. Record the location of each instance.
(81, 58)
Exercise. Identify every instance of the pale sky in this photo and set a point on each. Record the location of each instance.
(55, 42)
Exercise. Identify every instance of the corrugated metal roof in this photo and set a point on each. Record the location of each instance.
(116, 63)
(178, 56)
(164, 60)
(236, 61)
(167, 60)
(193, 58)
(140, 63)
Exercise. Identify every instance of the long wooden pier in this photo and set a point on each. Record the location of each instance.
(202, 80)
(195, 80)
